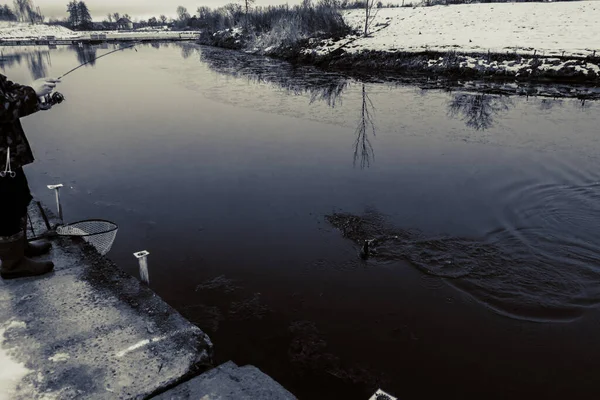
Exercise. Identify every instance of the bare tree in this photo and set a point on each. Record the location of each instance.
(182, 14)
(247, 4)
(24, 9)
(116, 17)
(163, 19)
(369, 17)
(362, 146)
(110, 17)
(36, 16)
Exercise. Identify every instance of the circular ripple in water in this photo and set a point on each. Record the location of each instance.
(550, 231)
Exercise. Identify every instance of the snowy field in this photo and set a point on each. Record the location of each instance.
(547, 28)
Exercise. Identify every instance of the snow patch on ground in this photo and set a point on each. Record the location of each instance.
(59, 357)
(526, 64)
(16, 325)
(547, 28)
(11, 372)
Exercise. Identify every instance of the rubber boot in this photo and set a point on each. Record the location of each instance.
(37, 248)
(14, 264)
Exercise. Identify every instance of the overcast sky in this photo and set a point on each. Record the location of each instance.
(136, 8)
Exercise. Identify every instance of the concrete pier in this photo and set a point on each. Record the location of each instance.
(229, 382)
(89, 330)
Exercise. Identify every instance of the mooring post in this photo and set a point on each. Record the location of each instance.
(142, 257)
(56, 189)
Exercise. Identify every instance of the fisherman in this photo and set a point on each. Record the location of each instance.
(18, 101)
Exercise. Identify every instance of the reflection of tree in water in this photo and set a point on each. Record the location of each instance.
(319, 85)
(584, 104)
(8, 60)
(86, 54)
(580, 103)
(478, 110)
(362, 145)
(38, 64)
(187, 51)
(37, 60)
(549, 104)
(328, 93)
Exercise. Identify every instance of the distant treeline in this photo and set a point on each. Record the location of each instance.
(24, 11)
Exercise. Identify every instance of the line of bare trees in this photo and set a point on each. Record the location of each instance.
(26, 11)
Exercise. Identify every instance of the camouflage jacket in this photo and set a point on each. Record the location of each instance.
(16, 101)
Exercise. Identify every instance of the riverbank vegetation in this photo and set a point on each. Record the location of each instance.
(237, 27)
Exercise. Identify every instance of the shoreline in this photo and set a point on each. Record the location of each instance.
(491, 73)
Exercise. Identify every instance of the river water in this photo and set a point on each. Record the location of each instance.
(225, 166)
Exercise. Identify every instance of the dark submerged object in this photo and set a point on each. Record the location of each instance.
(364, 251)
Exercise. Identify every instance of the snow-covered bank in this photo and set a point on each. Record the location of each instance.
(544, 42)
(23, 31)
(543, 28)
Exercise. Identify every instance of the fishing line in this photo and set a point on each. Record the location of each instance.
(99, 233)
(57, 98)
(96, 58)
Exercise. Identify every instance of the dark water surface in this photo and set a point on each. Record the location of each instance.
(225, 166)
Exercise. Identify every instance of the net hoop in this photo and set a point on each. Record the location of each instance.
(75, 228)
(99, 233)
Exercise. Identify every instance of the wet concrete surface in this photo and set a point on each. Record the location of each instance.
(89, 330)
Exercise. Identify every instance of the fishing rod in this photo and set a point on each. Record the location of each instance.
(57, 98)
(96, 58)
